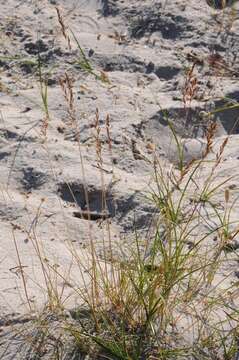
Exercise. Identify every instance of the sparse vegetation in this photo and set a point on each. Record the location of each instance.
(170, 294)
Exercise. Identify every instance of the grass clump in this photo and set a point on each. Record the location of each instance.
(172, 297)
(168, 301)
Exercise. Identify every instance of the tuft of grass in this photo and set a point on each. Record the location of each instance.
(172, 296)
(166, 300)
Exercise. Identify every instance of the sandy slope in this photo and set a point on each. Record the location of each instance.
(143, 48)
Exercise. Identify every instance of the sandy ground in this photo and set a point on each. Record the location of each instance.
(142, 49)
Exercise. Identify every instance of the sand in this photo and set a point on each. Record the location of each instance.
(141, 49)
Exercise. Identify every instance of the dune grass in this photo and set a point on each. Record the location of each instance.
(172, 297)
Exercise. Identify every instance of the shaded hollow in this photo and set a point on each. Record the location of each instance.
(99, 201)
(190, 127)
(187, 123)
(226, 114)
(32, 178)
